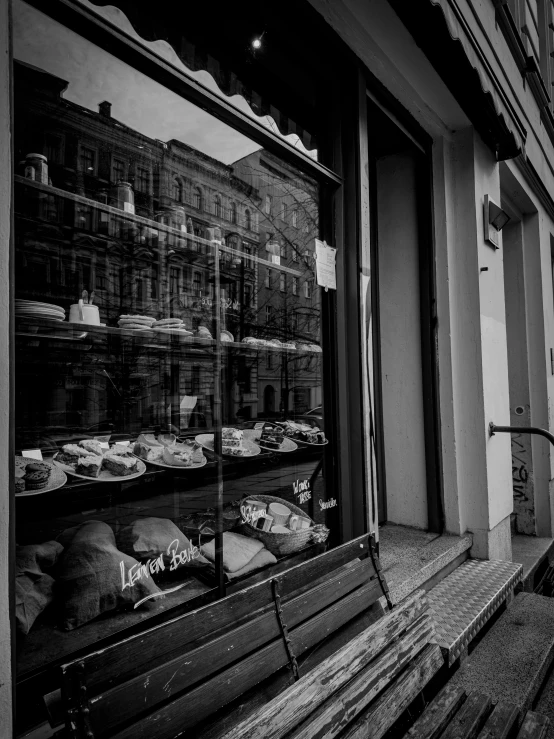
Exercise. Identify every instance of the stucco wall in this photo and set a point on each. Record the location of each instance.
(402, 385)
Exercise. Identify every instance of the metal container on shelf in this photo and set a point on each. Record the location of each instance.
(36, 168)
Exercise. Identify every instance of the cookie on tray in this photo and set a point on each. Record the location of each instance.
(134, 326)
(36, 480)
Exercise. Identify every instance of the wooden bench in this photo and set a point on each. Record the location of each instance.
(175, 675)
(203, 674)
(372, 688)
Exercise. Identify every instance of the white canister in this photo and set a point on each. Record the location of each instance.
(280, 530)
(91, 314)
(280, 513)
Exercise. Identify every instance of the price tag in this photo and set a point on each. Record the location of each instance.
(32, 454)
(104, 445)
(259, 426)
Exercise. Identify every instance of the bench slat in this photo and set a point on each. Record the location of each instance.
(343, 706)
(375, 721)
(534, 726)
(200, 702)
(470, 719)
(438, 713)
(137, 653)
(297, 702)
(501, 722)
(125, 701)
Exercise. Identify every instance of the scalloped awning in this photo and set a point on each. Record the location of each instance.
(452, 38)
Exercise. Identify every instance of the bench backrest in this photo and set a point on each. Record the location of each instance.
(173, 676)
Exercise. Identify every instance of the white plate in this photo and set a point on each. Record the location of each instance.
(176, 331)
(308, 443)
(33, 304)
(251, 449)
(104, 475)
(44, 317)
(57, 479)
(288, 445)
(173, 466)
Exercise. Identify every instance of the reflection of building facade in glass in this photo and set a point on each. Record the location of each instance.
(134, 212)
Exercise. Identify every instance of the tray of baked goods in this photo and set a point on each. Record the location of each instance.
(271, 438)
(302, 433)
(33, 477)
(234, 443)
(167, 451)
(89, 460)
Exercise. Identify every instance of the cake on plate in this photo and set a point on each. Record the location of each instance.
(272, 437)
(89, 466)
(120, 466)
(70, 454)
(91, 446)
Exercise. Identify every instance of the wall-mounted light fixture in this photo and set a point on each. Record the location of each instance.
(494, 220)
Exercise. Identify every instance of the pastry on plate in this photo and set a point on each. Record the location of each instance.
(89, 466)
(36, 475)
(19, 485)
(177, 457)
(149, 453)
(272, 437)
(91, 446)
(149, 439)
(119, 466)
(121, 450)
(70, 454)
(197, 455)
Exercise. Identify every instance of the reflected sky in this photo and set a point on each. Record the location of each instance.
(139, 102)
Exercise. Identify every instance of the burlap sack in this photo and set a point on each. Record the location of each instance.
(94, 577)
(147, 538)
(34, 589)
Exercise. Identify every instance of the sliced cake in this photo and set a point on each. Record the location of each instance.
(89, 466)
(119, 466)
(91, 446)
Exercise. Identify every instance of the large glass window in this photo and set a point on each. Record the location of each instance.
(169, 428)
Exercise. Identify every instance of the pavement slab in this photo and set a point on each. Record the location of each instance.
(511, 661)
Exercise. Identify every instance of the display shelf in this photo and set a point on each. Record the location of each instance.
(153, 225)
(80, 332)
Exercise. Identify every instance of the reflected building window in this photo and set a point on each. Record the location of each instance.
(87, 160)
(142, 180)
(233, 212)
(197, 198)
(295, 286)
(268, 278)
(218, 209)
(248, 292)
(248, 219)
(268, 313)
(118, 170)
(295, 218)
(282, 283)
(268, 204)
(177, 190)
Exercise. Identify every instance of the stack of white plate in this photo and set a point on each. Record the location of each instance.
(32, 309)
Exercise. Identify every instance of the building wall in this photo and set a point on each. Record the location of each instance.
(5, 456)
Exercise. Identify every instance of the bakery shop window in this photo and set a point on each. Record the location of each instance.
(170, 425)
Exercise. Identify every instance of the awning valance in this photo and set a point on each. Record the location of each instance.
(455, 43)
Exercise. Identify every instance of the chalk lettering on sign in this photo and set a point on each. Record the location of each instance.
(302, 489)
(153, 566)
(325, 504)
(251, 516)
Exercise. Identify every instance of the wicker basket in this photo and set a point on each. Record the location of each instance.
(282, 544)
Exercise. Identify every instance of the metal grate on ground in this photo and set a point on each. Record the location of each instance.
(464, 601)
